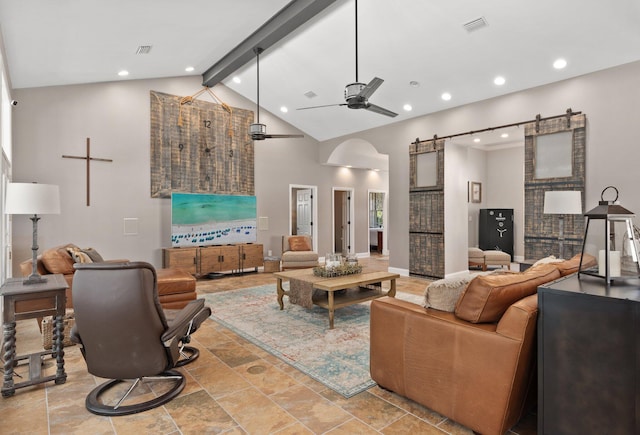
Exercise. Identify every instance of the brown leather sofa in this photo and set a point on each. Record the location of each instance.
(176, 288)
(475, 365)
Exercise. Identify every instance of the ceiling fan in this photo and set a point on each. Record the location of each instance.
(357, 94)
(258, 131)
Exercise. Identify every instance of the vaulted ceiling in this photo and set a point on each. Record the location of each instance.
(66, 42)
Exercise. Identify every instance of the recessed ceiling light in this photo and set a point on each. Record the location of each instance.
(504, 135)
(376, 170)
(407, 107)
(476, 140)
(414, 84)
(189, 69)
(559, 63)
(283, 109)
(348, 166)
(237, 79)
(123, 73)
(446, 96)
(499, 81)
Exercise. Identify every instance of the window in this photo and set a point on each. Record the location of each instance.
(376, 207)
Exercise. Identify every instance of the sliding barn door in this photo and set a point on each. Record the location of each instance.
(554, 160)
(426, 209)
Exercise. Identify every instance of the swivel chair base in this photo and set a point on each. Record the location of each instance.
(188, 354)
(95, 405)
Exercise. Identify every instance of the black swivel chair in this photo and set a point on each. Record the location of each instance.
(125, 336)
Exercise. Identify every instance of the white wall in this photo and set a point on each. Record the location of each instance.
(476, 171)
(455, 209)
(504, 188)
(52, 121)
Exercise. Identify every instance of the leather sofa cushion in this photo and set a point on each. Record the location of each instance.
(176, 302)
(58, 259)
(175, 281)
(487, 297)
(444, 293)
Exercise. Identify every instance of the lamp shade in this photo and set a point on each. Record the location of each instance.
(32, 198)
(562, 202)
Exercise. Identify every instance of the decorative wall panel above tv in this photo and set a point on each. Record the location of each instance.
(199, 147)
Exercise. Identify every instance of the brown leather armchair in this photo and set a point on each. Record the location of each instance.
(125, 336)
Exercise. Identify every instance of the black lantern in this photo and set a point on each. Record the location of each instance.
(611, 264)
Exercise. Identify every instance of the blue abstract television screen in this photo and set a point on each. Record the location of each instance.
(201, 219)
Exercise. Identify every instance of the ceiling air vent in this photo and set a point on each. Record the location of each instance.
(310, 94)
(143, 49)
(476, 24)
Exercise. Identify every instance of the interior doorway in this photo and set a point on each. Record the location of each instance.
(303, 211)
(343, 228)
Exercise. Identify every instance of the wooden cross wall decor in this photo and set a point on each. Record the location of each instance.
(88, 158)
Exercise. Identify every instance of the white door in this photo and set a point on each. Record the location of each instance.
(346, 223)
(304, 212)
(342, 226)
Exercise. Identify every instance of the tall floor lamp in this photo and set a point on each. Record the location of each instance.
(562, 202)
(33, 199)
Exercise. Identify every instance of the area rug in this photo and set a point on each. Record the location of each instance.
(337, 358)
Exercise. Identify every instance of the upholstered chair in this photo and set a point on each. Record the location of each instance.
(125, 336)
(297, 252)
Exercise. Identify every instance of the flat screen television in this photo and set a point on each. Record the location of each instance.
(202, 219)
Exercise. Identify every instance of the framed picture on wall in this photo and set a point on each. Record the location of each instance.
(475, 191)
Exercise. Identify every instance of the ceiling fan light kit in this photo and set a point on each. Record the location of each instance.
(258, 131)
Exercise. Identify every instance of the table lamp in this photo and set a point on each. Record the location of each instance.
(562, 202)
(33, 199)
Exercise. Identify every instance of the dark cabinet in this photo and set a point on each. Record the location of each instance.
(496, 230)
(588, 357)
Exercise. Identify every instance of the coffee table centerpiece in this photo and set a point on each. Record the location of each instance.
(339, 270)
(336, 265)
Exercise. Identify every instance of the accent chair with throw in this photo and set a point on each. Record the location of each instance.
(297, 252)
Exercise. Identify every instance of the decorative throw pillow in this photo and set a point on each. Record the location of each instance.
(486, 298)
(567, 267)
(79, 256)
(93, 254)
(549, 259)
(444, 293)
(299, 243)
(58, 260)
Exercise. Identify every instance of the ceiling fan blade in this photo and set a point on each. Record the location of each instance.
(281, 136)
(370, 88)
(380, 110)
(326, 105)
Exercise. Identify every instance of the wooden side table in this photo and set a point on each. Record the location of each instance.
(28, 302)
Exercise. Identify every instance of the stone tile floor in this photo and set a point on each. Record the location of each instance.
(233, 388)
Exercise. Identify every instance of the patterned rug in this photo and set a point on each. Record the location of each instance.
(338, 358)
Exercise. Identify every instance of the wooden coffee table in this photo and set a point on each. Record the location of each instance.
(368, 287)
